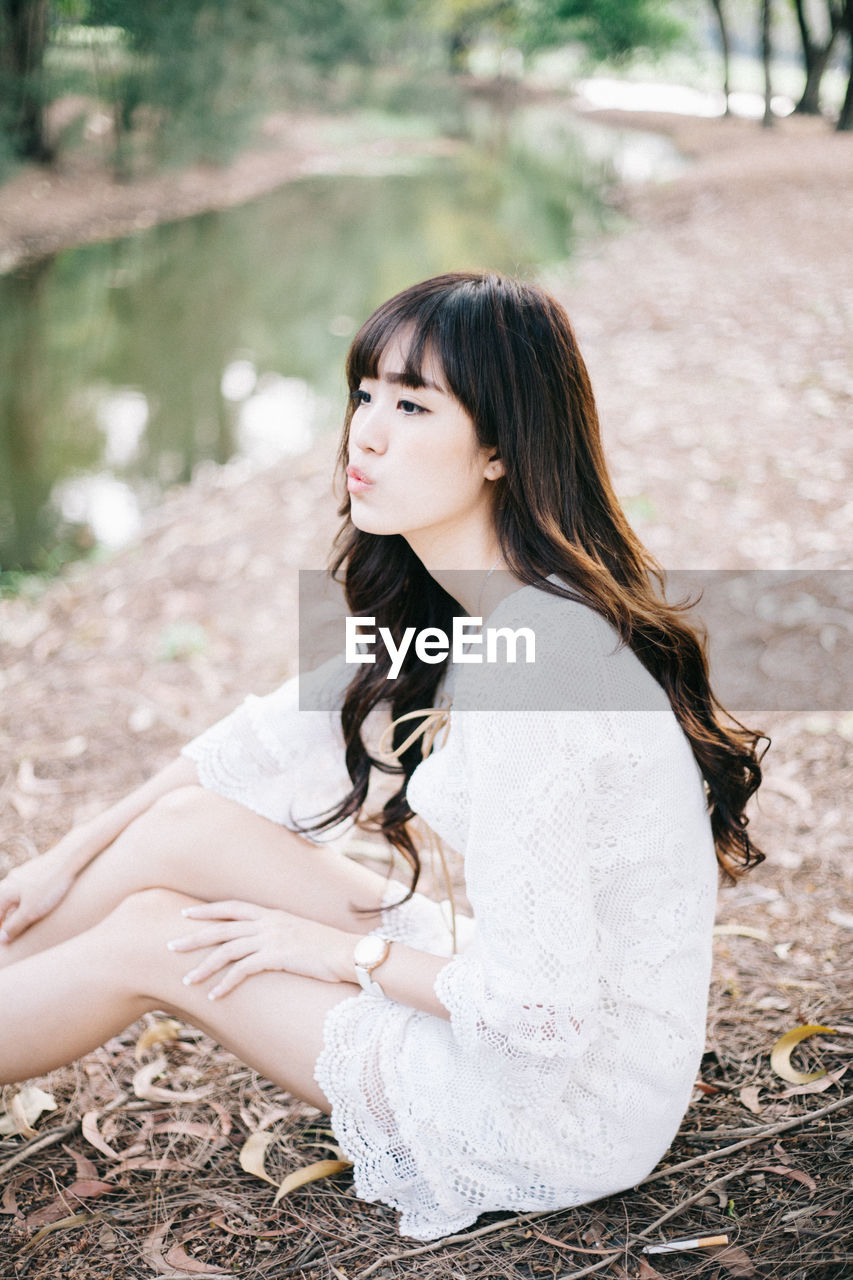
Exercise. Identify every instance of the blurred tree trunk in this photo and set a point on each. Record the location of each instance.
(724, 46)
(458, 47)
(23, 33)
(815, 55)
(845, 120)
(766, 53)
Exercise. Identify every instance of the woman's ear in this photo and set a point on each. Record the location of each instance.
(494, 467)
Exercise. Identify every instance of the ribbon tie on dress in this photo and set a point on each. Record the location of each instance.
(434, 720)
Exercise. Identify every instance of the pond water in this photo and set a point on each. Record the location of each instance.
(129, 364)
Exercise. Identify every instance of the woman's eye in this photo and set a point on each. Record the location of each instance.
(410, 408)
(359, 397)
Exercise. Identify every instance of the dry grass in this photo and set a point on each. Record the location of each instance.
(717, 332)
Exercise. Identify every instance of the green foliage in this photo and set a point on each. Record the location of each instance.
(180, 71)
(194, 76)
(186, 79)
(612, 30)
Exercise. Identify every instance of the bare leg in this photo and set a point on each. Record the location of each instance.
(196, 842)
(62, 1003)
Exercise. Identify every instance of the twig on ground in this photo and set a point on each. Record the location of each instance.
(38, 1144)
(66, 1131)
(770, 1131)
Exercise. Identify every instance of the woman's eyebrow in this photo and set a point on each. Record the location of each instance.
(413, 381)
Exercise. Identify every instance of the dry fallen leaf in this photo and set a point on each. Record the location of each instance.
(10, 1199)
(749, 1097)
(74, 1220)
(218, 1220)
(252, 1155)
(178, 1258)
(83, 1189)
(798, 1175)
(152, 1252)
(310, 1173)
(780, 1054)
(144, 1087)
(24, 1109)
(735, 1260)
(30, 785)
(147, 1163)
(816, 1086)
(192, 1128)
(740, 931)
(224, 1116)
(92, 1134)
(163, 1030)
(84, 1167)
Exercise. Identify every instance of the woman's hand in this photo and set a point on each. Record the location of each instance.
(250, 939)
(30, 891)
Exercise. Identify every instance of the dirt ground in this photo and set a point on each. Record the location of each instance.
(718, 329)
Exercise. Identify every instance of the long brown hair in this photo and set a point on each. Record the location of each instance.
(510, 358)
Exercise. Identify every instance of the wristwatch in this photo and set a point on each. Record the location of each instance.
(370, 952)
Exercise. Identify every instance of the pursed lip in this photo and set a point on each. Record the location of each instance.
(355, 474)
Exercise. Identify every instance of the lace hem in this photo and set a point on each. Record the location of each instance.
(364, 1106)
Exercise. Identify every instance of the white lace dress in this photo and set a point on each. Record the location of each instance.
(578, 1000)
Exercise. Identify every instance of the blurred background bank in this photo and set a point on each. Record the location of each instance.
(201, 200)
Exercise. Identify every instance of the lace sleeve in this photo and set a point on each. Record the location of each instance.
(279, 761)
(525, 995)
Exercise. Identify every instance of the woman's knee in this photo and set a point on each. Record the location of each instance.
(182, 804)
(154, 840)
(139, 912)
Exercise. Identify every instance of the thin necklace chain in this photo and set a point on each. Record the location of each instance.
(476, 613)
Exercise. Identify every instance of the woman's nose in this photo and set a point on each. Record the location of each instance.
(368, 429)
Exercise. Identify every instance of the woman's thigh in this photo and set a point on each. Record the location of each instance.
(196, 842)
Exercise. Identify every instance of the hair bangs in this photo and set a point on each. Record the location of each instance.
(422, 316)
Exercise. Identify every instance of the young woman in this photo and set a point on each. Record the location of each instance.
(541, 1052)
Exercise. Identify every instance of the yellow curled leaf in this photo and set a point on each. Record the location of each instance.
(310, 1173)
(157, 1033)
(252, 1155)
(780, 1054)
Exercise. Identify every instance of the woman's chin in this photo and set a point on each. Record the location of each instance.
(365, 524)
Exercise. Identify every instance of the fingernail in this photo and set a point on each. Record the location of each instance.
(189, 979)
(175, 944)
(214, 995)
(187, 911)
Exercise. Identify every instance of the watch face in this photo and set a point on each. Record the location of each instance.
(370, 950)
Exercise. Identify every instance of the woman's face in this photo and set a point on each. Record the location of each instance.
(416, 467)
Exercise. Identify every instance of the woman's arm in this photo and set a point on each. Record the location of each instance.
(407, 975)
(250, 939)
(30, 891)
(86, 840)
